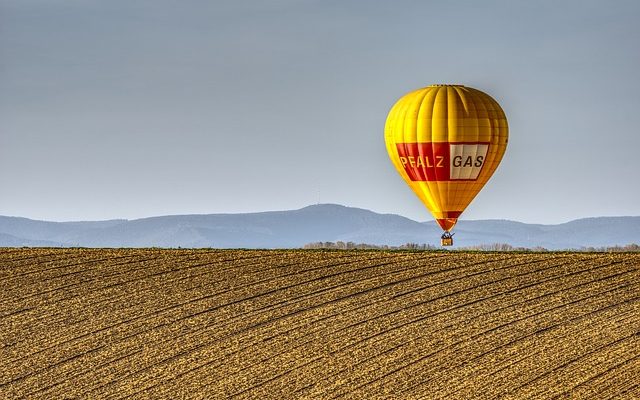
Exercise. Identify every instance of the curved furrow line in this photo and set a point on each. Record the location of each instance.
(204, 344)
(342, 310)
(188, 316)
(330, 288)
(135, 257)
(128, 272)
(626, 286)
(467, 320)
(41, 392)
(15, 313)
(259, 272)
(363, 394)
(261, 281)
(101, 278)
(609, 380)
(19, 277)
(446, 326)
(4, 251)
(24, 291)
(632, 392)
(528, 355)
(33, 254)
(520, 358)
(42, 317)
(277, 376)
(543, 384)
(118, 284)
(295, 368)
(367, 394)
(282, 322)
(591, 340)
(457, 306)
(428, 391)
(625, 289)
(356, 335)
(67, 286)
(509, 266)
(447, 295)
(470, 339)
(323, 289)
(268, 279)
(368, 291)
(8, 270)
(344, 330)
(458, 367)
(84, 285)
(358, 307)
(107, 300)
(405, 280)
(58, 308)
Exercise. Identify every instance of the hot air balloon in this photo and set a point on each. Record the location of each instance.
(446, 141)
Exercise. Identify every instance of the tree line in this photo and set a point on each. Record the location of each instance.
(339, 245)
(367, 246)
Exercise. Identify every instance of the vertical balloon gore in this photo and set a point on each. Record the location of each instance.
(446, 141)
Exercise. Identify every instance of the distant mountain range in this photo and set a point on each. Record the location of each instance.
(295, 228)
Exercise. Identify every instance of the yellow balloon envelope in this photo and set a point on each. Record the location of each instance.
(446, 141)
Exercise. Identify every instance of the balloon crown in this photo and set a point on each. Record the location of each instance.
(444, 84)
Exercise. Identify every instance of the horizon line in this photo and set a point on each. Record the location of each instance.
(301, 208)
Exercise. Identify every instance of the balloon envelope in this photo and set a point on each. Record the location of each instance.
(446, 141)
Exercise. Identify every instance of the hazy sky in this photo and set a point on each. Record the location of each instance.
(126, 109)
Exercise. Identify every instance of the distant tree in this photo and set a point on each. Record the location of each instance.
(483, 247)
(352, 245)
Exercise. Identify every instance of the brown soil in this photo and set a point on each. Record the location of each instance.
(150, 323)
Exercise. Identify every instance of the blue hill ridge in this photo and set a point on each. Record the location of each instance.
(322, 222)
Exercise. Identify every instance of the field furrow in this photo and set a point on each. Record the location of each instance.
(154, 323)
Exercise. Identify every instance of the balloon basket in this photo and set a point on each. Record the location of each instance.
(446, 239)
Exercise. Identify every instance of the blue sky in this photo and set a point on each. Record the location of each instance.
(125, 109)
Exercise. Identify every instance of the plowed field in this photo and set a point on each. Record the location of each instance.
(147, 323)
